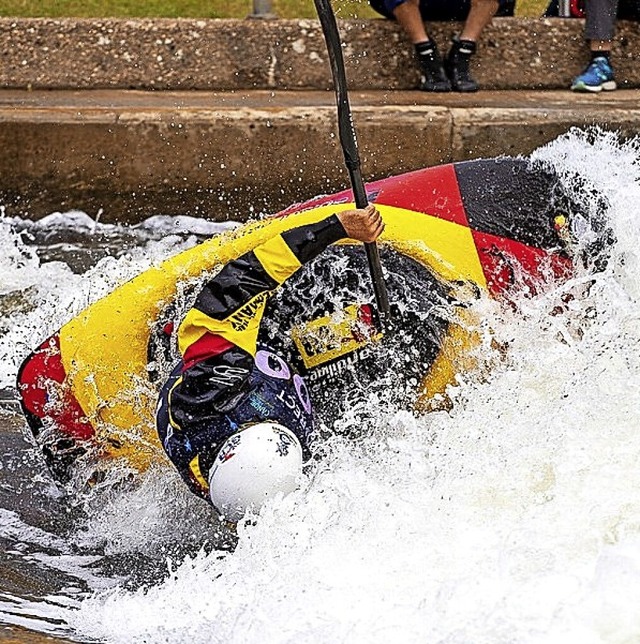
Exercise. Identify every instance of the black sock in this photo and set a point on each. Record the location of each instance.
(465, 47)
(600, 54)
(425, 49)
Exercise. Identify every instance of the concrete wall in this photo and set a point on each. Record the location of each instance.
(133, 154)
(246, 121)
(284, 54)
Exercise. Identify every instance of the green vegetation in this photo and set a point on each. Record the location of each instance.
(198, 8)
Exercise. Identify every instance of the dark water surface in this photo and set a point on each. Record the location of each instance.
(33, 526)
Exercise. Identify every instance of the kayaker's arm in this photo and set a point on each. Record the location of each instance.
(229, 308)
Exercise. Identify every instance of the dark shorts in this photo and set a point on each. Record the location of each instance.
(440, 10)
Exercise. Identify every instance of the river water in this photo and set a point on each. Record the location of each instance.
(515, 517)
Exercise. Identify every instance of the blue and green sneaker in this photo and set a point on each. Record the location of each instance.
(597, 76)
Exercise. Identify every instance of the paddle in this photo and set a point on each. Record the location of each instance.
(349, 144)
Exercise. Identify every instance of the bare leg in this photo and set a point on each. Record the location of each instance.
(480, 15)
(409, 18)
(600, 45)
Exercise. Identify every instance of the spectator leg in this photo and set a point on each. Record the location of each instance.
(480, 15)
(408, 16)
(457, 64)
(599, 31)
(433, 78)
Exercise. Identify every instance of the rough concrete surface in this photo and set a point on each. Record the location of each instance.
(17, 635)
(68, 53)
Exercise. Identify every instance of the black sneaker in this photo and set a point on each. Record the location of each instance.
(432, 77)
(457, 65)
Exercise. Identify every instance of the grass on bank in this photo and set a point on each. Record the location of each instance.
(199, 8)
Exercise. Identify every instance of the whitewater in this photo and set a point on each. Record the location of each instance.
(512, 518)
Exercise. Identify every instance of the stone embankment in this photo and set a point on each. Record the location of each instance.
(226, 118)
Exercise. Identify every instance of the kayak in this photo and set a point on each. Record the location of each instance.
(477, 225)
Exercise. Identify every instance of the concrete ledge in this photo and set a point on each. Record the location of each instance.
(514, 53)
(229, 155)
(247, 119)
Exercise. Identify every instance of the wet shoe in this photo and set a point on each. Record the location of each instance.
(596, 77)
(432, 77)
(457, 66)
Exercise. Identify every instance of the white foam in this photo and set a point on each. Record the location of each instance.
(75, 219)
(42, 297)
(183, 223)
(18, 264)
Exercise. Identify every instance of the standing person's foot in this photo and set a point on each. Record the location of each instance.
(596, 77)
(457, 65)
(432, 77)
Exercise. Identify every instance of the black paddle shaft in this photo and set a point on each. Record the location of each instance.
(349, 143)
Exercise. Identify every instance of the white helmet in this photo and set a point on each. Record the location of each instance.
(254, 465)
